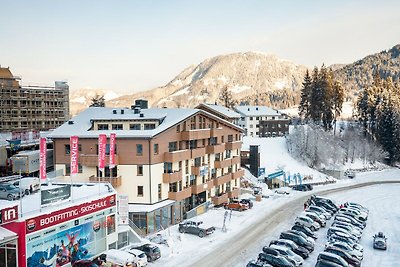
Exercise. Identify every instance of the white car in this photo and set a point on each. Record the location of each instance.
(321, 211)
(294, 258)
(306, 221)
(139, 257)
(343, 246)
(28, 184)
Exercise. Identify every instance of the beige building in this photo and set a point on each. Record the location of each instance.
(25, 108)
(169, 161)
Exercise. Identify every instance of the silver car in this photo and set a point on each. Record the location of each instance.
(9, 191)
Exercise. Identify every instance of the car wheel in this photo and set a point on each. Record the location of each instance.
(27, 192)
(180, 230)
(313, 228)
(297, 223)
(201, 234)
(10, 197)
(148, 259)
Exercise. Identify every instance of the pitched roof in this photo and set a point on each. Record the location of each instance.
(257, 111)
(224, 111)
(167, 117)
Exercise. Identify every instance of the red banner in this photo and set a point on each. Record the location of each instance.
(74, 152)
(112, 150)
(8, 214)
(42, 158)
(102, 150)
(67, 214)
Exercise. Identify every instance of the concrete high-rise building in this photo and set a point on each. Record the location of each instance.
(24, 108)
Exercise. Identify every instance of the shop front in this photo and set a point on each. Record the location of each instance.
(61, 237)
(8, 239)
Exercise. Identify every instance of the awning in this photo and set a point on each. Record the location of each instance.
(150, 207)
(6, 235)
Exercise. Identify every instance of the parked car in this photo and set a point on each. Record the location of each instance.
(380, 241)
(306, 221)
(345, 247)
(304, 229)
(341, 237)
(321, 210)
(351, 230)
(194, 228)
(258, 263)
(325, 200)
(347, 223)
(283, 190)
(356, 205)
(350, 174)
(152, 251)
(139, 257)
(321, 221)
(301, 187)
(331, 209)
(346, 256)
(28, 184)
(325, 263)
(274, 260)
(10, 192)
(300, 241)
(117, 257)
(336, 230)
(311, 240)
(299, 250)
(352, 220)
(236, 205)
(354, 213)
(356, 247)
(326, 256)
(247, 201)
(319, 214)
(84, 263)
(289, 254)
(257, 190)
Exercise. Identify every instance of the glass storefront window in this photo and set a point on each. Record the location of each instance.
(165, 217)
(8, 255)
(150, 222)
(157, 214)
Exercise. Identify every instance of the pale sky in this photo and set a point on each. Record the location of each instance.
(131, 46)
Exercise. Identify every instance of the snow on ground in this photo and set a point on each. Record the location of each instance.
(383, 217)
(183, 249)
(274, 156)
(182, 91)
(239, 88)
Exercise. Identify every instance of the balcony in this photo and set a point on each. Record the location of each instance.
(218, 200)
(114, 181)
(222, 179)
(238, 174)
(198, 152)
(178, 196)
(234, 193)
(195, 134)
(215, 132)
(172, 177)
(235, 160)
(213, 149)
(233, 145)
(222, 163)
(175, 156)
(197, 189)
(92, 160)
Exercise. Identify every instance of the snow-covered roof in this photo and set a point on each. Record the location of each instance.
(257, 111)
(167, 117)
(6, 235)
(229, 113)
(149, 207)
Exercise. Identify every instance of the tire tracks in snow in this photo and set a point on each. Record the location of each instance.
(235, 248)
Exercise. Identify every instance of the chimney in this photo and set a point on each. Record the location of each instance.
(136, 110)
(114, 111)
(70, 122)
(141, 115)
(122, 111)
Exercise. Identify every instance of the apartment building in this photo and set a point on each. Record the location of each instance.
(25, 108)
(221, 111)
(169, 161)
(261, 121)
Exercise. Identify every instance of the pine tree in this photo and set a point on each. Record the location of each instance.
(225, 97)
(98, 101)
(305, 102)
(338, 98)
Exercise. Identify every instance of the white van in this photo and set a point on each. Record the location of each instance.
(118, 258)
(28, 184)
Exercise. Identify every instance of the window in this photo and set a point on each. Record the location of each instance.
(102, 127)
(251, 118)
(155, 148)
(172, 146)
(68, 149)
(178, 128)
(134, 126)
(140, 190)
(139, 149)
(140, 170)
(230, 138)
(117, 127)
(159, 192)
(150, 126)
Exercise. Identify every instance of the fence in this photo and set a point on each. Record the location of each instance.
(202, 208)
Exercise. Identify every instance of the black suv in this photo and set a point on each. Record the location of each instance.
(300, 187)
(299, 250)
(305, 230)
(152, 252)
(346, 256)
(275, 260)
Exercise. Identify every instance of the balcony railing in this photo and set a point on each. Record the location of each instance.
(235, 160)
(196, 134)
(197, 189)
(222, 163)
(172, 177)
(213, 149)
(91, 160)
(234, 193)
(218, 200)
(185, 193)
(222, 179)
(114, 181)
(198, 152)
(215, 132)
(233, 145)
(179, 155)
(238, 174)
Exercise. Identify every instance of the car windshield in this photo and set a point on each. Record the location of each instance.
(142, 255)
(290, 253)
(10, 187)
(156, 250)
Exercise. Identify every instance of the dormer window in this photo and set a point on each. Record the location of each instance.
(117, 127)
(102, 127)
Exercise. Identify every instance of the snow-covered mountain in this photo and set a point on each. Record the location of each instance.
(246, 75)
(80, 99)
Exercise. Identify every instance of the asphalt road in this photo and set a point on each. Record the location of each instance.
(238, 246)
